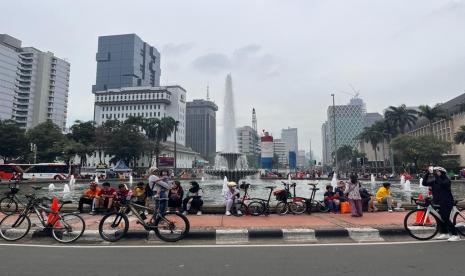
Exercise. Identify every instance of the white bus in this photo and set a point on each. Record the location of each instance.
(57, 171)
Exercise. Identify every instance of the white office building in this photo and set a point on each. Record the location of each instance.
(34, 85)
(146, 102)
(247, 140)
(279, 147)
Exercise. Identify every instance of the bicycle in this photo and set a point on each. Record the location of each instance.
(422, 223)
(261, 206)
(313, 205)
(9, 203)
(65, 228)
(243, 208)
(114, 226)
(288, 202)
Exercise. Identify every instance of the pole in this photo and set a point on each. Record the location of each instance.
(175, 149)
(334, 134)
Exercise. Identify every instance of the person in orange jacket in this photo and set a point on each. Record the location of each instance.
(88, 197)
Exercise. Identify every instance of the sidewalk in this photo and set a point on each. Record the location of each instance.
(314, 221)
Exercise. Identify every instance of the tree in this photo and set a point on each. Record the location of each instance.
(421, 150)
(373, 135)
(13, 141)
(83, 133)
(459, 136)
(400, 117)
(100, 142)
(158, 131)
(431, 114)
(49, 141)
(126, 143)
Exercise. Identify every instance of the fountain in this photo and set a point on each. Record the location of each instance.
(402, 180)
(407, 187)
(334, 180)
(51, 187)
(131, 180)
(230, 163)
(373, 183)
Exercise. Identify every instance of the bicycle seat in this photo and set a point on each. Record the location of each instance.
(311, 184)
(36, 188)
(293, 184)
(67, 202)
(270, 187)
(314, 189)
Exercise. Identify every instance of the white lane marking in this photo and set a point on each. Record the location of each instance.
(97, 246)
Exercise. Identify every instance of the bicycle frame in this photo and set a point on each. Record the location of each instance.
(134, 209)
(33, 207)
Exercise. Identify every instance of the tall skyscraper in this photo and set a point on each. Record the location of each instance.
(350, 121)
(126, 61)
(290, 137)
(279, 148)
(35, 85)
(201, 127)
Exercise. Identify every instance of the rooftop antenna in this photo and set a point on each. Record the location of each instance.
(208, 93)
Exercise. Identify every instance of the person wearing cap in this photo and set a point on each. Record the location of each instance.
(436, 178)
(88, 197)
(231, 197)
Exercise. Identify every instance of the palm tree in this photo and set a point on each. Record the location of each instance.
(158, 131)
(431, 114)
(401, 117)
(373, 136)
(459, 136)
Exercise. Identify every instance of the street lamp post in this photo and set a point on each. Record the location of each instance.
(175, 148)
(334, 135)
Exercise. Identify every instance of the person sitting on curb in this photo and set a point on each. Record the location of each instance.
(139, 194)
(123, 193)
(193, 199)
(88, 197)
(175, 195)
(383, 195)
(339, 195)
(105, 197)
(232, 197)
(330, 200)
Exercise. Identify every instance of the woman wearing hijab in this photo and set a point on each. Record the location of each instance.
(437, 179)
(193, 199)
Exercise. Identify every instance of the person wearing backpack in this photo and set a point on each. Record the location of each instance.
(159, 185)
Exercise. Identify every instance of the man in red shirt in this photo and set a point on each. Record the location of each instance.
(105, 196)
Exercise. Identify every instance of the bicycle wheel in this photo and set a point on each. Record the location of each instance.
(68, 228)
(8, 205)
(256, 208)
(421, 226)
(14, 227)
(171, 227)
(298, 207)
(459, 222)
(113, 226)
(282, 208)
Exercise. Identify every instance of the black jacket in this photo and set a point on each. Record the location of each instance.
(442, 193)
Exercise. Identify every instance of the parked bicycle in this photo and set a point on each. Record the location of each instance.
(9, 204)
(65, 228)
(422, 223)
(243, 206)
(259, 206)
(313, 205)
(169, 227)
(288, 201)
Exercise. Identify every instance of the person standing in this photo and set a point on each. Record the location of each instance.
(353, 194)
(437, 179)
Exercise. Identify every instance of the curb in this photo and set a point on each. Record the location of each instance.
(241, 236)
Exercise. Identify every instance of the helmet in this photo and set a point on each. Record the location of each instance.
(232, 184)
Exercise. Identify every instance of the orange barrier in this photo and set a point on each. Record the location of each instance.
(51, 217)
(345, 207)
(419, 214)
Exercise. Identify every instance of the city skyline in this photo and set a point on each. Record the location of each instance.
(384, 62)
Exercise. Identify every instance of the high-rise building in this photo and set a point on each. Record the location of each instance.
(34, 85)
(126, 61)
(371, 118)
(146, 102)
(350, 121)
(279, 148)
(290, 137)
(201, 127)
(247, 140)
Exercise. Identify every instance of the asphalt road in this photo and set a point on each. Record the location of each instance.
(441, 258)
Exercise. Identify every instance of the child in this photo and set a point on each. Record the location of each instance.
(139, 194)
(329, 199)
(175, 196)
(232, 197)
(353, 194)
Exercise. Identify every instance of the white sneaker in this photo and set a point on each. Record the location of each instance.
(454, 238)
(199, 213)
(390, 210)
(228, 213)
(184, 213)
(239, 212)
(442, 237)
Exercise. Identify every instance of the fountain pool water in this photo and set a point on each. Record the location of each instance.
(212, 189)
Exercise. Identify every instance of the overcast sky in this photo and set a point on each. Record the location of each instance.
(285, 57)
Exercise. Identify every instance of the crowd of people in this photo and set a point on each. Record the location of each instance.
(168, 193)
